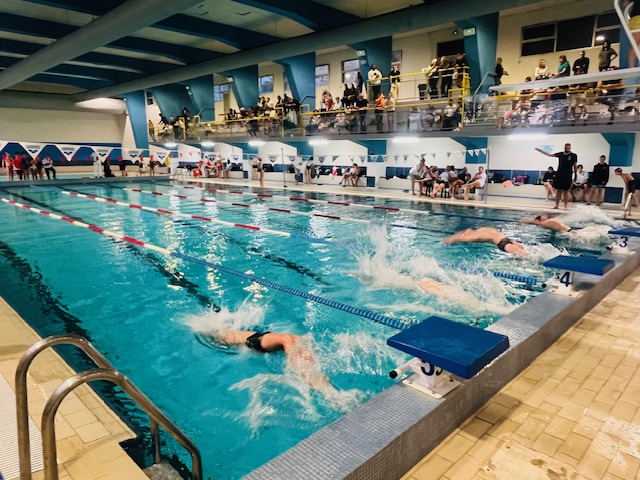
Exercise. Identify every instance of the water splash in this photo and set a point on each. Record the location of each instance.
(360, 353)
(583, 215)
(210, 324)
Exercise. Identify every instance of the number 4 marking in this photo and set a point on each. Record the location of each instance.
(566, 279)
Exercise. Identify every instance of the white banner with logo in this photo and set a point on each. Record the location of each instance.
(33, 149)
(131, 154)
(102, 152)
(158, 154)
(68, 150)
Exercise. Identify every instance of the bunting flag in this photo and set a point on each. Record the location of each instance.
(32, 148)
(373, 158)
(161, 155)
(433, 155)
(381, 158)
(477, 151)
(69, 151)
(321, 158)
(395, 157)
(470, 152)
(448, 154)
(363, 158)
(2, 144)
(483, 150)
(103, 152)
(273, 158)
(406, 157)
(292, 158)
(131, 154)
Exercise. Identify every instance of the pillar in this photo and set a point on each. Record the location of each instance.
(245, 85)
(201, 92)
(481, 48)
(301, 75)
(136, 103)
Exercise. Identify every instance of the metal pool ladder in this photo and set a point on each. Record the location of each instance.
(105, 371)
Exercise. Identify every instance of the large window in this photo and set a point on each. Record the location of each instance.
(322, 75)
(265, 84)
(219, 91)
(583, 32)
(350, 69)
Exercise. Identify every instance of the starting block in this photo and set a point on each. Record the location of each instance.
(570, 265)
(622, 238)
(443, 347)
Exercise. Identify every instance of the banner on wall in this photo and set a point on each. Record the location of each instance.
(2, 144)
(209, 155)
(273, 158)
(103, 152)
(161, 155)
(68, 150)
(131, 154)
(32, 148)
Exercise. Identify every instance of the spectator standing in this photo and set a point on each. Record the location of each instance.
(416, 173)
(362, 104)
(432, 78)
(186, 115)
(581, 65)
(446, 76)
(17, 165)
(567, 161)
(541, 71)
(461, 64)
(391, 112)
(164, 120)
(564, 70)
(152, 130)
(598, 181)
(500, 71)
(375, 79)
(359, 84)
(394, 79)
(605, 56)
(47, 163)
(379, 111)
(7, 164)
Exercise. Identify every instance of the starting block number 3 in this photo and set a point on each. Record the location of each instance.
(623, 242)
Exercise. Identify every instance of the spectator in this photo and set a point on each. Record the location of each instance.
(362, 104)
(97, 166)
(359, 84)
(567, 161)
(379, 111)
(449, 121)
(391, 112)
(122, 166)
(152, 166)
(527, 91)
(564, 70)
(428, 118)
(446, 76)
(500, 71)
(441, 182)
(610, 92)
(598, 181)
(7, 164)
(541, 70)
(394, 79)
(547, 181)
(461, 69)
(579, 185)
(186, 115)
(634, 26)
(349, 95)
(164, 120)
(432, 78)
(581, 65)
(416, 173)
(375, 79)
(25, 165)
(37, 170)
(605, 56)
(463, 177)
(47, 163)
(152, 130)
(478, 181)
(107, 168)
(17, 165)
(430, 177)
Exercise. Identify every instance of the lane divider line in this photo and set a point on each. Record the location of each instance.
(247, 205)
(362, 312)
(177, 214)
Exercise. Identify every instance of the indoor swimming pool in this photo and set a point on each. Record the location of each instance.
(334, 269)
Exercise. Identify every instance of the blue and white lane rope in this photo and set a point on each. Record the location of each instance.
(362, 312)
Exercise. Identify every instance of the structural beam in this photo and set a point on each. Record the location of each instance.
(124, 20)
(401, 21)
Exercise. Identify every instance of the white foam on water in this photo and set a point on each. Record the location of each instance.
(361, 353)
(211, 324)
(582, 215)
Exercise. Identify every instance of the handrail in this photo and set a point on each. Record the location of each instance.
(116, 377)
(624, 21)
(22, 401)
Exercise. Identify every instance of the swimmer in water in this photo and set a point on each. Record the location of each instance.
(298, 351)
(549, 223)
(488, 235)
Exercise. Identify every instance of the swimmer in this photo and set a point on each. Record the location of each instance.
(298, 350)
(550, 223)
(489, 235)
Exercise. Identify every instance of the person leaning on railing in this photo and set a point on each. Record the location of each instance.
(432, 78)
(461, 66)
(446, 76)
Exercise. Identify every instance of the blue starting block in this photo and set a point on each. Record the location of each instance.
(622, 238)
(570, 265)
(441, 347)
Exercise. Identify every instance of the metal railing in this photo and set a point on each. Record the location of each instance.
(105, 372)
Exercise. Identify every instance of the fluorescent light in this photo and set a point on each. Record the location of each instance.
(318, 141)
(531, 136)
(171, 145)
(405, 140)
(256, 143)
(208, 144)
(600, 38)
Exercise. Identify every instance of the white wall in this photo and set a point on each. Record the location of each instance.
(59, 126)
(510, 34)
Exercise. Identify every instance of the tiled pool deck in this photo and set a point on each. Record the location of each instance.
(572, 414)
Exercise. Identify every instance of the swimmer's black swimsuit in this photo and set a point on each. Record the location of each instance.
(502, 244)
(253, 342)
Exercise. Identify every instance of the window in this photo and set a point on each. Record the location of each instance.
(265, 84)
(450, 49)
(149, 96)
(350, 69)
(219, 91)
(583, 32)
(322, 75)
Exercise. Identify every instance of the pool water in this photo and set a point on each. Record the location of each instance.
(155, 317)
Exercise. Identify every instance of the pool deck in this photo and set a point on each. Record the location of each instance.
(573, 411)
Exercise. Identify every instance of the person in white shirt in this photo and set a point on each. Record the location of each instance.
(579, 185)
(478, 181)
(442, 182)
(375, 78)
(97, 165)
(416, 173)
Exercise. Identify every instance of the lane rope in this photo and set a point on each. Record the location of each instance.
(362, 312)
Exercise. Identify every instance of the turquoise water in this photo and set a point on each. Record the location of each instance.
(153, 316)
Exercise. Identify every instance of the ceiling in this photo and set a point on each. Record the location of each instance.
(84, 45)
